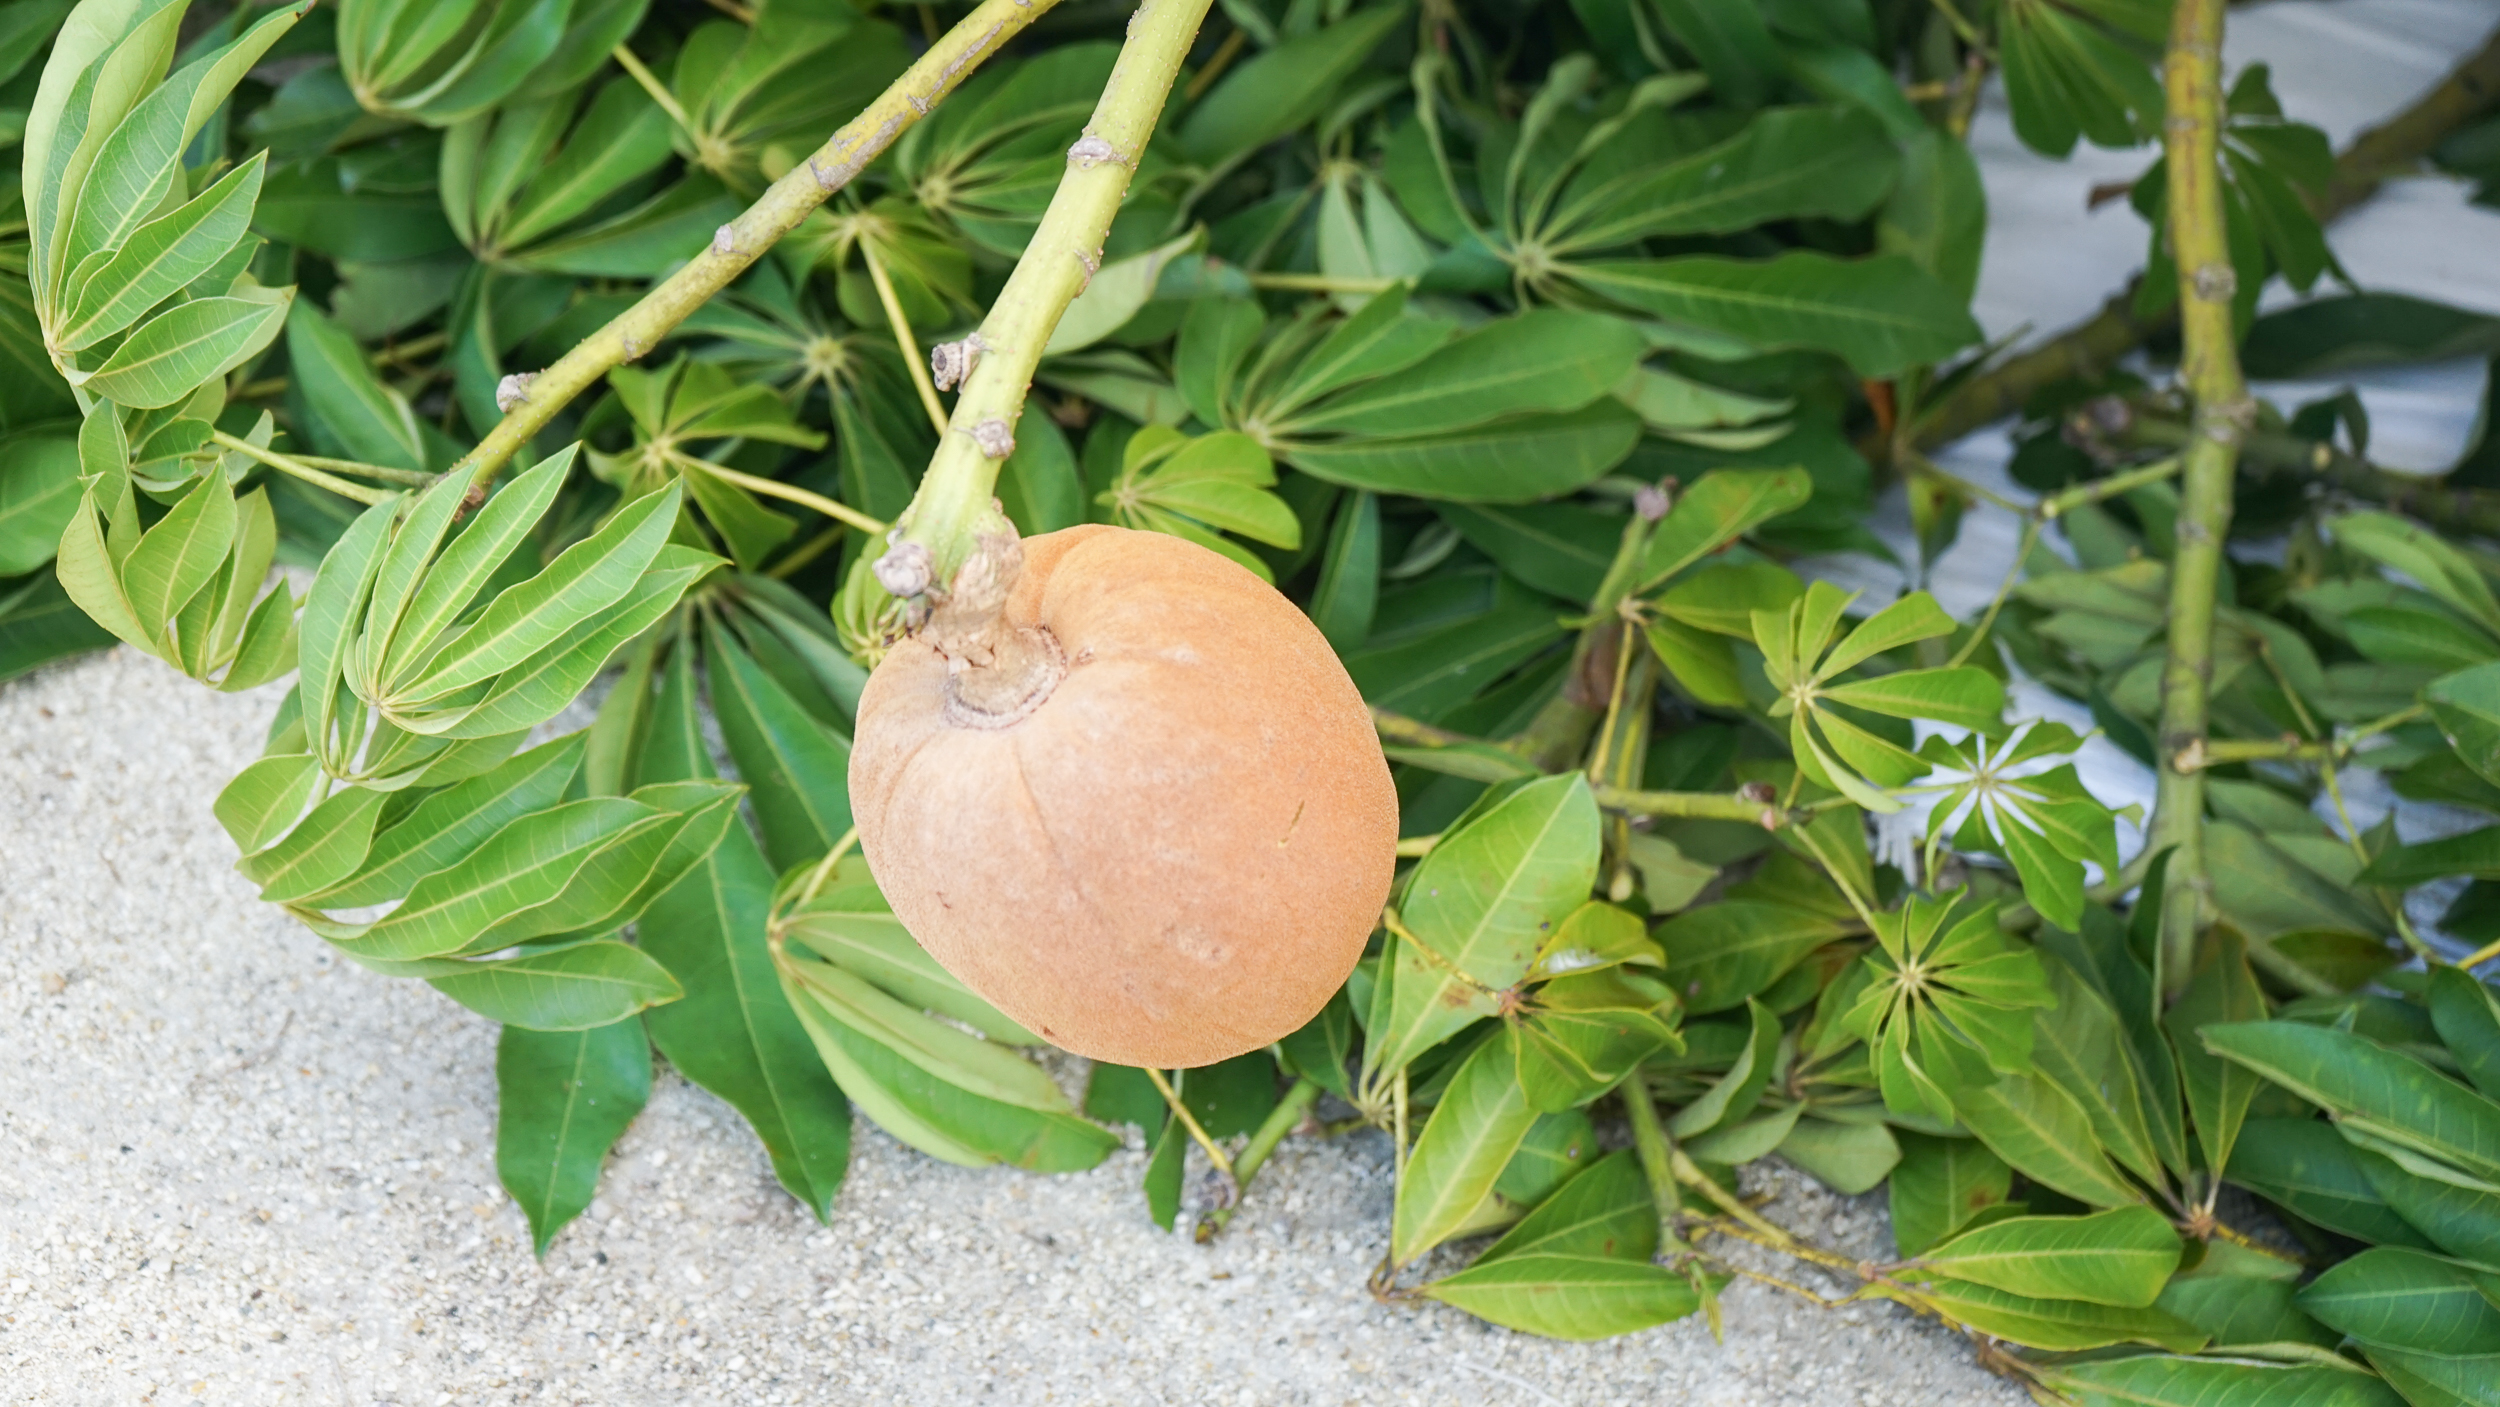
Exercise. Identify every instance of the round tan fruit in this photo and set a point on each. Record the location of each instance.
(1144, 813)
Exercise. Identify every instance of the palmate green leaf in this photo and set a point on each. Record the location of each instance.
(1321, 1049)
(1380, 339)
(109, 291)
(622, 878)
(563, 1099)
(2390, 1297)
(1348, 594)
(1567, 1296)
(1480, 1122)
(1583, 1033)
(1787, 163)
(734, 1032)
(580, 988)
(2118, 1257)
(179, 556)
(1515, 460)
(1940, 1185)
(586, 578)
(1848, 1157)
(2162, 1380)
(1550, 359)
(2430, 639)
(135, 166)
(2373, 1090)
(2080, 1044)
(621, 137)
(1483, 902)
(2055, 1324)
(2401, 866)
(2065, 77)
(105, 61)
(2437, 1213)
(1883, 315)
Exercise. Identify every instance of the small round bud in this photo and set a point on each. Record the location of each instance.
(905, 570)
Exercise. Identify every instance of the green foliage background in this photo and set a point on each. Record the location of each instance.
(1525, 346)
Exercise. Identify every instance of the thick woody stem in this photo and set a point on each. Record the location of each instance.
(953, 511)
(637, 330)
(2192, 78)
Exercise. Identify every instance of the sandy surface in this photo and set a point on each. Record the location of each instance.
(234, 1169)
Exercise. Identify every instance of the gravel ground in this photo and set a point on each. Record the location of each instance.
(239, 1170)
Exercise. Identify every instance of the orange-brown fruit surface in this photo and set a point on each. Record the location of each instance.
(1175, 854)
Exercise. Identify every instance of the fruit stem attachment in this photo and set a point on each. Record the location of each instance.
(953, 511)
(738, 244)
(997, 672)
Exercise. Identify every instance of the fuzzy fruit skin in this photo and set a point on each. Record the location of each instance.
(1177, 857)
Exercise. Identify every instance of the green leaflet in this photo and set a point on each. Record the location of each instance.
(1480, 1122)
(564, 1097)
(1881, 314)
(951, 1095)
(1604, 1210)
(2375, 1091)
(2161, 1380)
(586, 578)
(1568, 1297)
(2057, 1325)
(579, 988)
(2390, 1297)
(850, 925)
(1940, 1185)
(734, 1032)
(1482, 903)
(2120, 1257)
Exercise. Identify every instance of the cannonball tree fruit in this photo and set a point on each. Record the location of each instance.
(1128, 795)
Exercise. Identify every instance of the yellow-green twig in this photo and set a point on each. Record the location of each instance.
(738, 244)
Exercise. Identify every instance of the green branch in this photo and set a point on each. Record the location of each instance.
(534, 400)
(2094, 345)
(953, 509)
(2210, 366)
